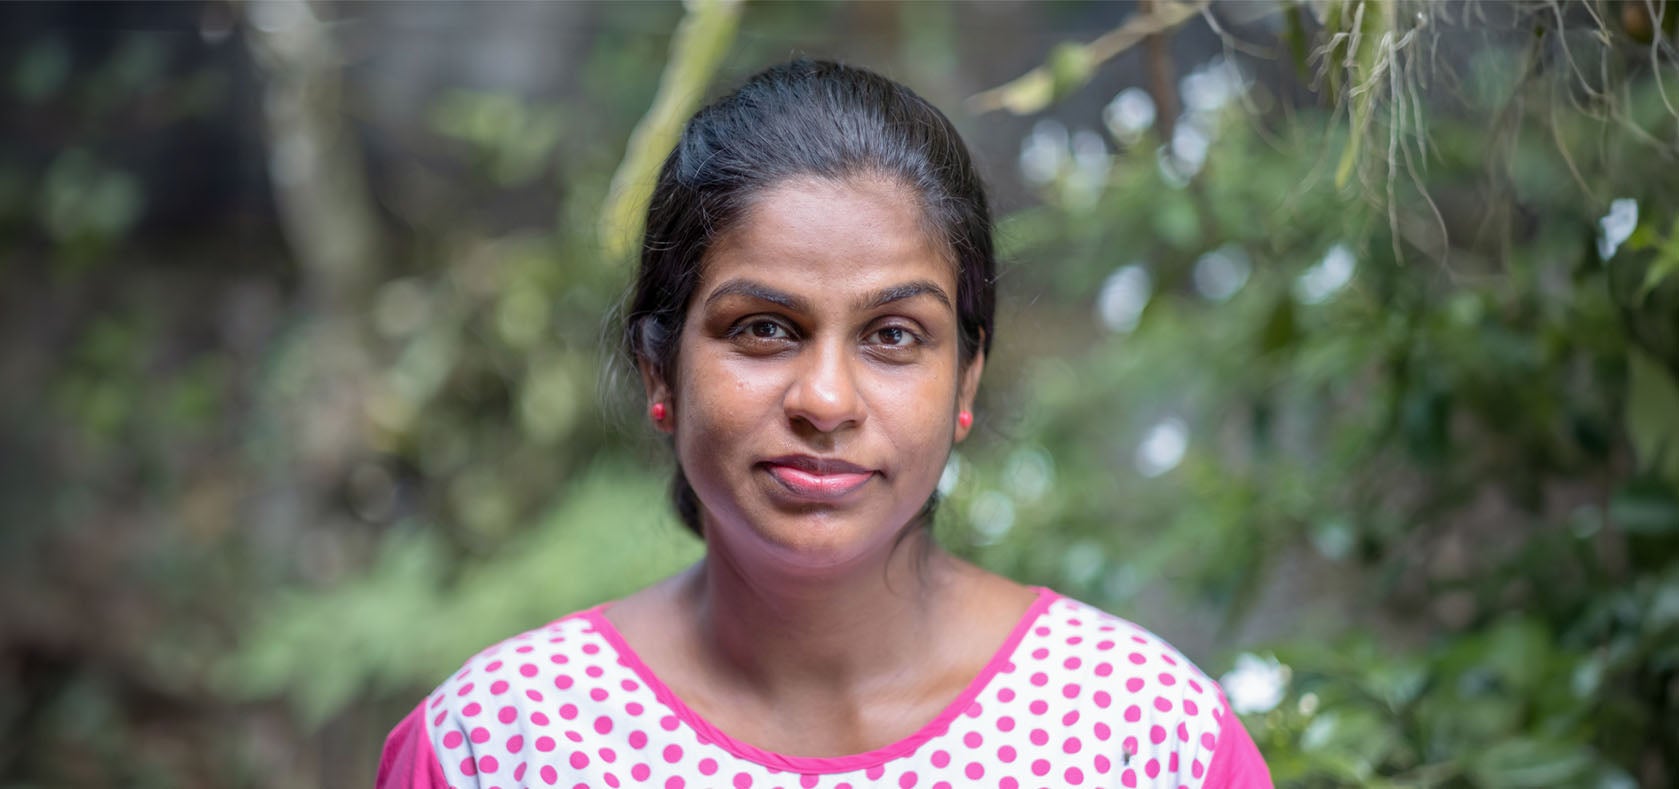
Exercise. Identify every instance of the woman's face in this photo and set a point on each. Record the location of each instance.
(819, 377)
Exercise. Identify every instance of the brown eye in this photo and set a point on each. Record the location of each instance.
(760, 330)
(894, 337)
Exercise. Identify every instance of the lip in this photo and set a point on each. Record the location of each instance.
(821, 479)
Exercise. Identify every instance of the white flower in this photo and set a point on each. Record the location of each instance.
(1189, 145)
(1222, 272)
(1090, 165)
(1328, 277)
(1124, 294)
(1208, 88)
(1163, 448)
(1256, 684)
(1129, 115)
(1617, 226)
(1044, 152)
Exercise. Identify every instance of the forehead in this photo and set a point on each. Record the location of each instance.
(821, 234)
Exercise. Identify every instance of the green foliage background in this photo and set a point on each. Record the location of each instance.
(1365, 389)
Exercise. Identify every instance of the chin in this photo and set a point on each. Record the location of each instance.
(817, 542)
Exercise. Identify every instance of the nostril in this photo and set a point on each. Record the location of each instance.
(825, 397)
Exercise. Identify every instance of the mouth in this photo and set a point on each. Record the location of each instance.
(820, 479)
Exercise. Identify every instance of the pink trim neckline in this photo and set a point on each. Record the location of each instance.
(708, 733)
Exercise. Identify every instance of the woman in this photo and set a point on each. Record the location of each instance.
(810, 320)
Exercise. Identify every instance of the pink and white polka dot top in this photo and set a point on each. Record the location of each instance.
(1074, 697)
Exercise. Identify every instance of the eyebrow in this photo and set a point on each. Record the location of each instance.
(756, 290)
(908, 290)
(759, 291)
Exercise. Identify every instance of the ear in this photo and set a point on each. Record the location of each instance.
(969, 388)
(657, 392)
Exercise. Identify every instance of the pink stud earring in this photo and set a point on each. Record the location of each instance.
(965, 418)
(657, 411)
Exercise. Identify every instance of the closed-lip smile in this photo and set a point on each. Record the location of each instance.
(810, 477)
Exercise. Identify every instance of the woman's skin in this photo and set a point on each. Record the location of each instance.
(814, 406)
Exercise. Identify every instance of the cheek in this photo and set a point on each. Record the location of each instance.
(724, 400)
(919, 417)
(914, 393)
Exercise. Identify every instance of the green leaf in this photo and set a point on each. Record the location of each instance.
(1525, 762)
(1352, 740)
(1374, 24)
(1645, 506)
(1652, 416)
(1028, 93)
(1070, 66)
(1665, 264)
(1518, 651)
(1299, 42)
(1280, 330)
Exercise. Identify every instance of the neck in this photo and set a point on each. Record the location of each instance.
(786, 633)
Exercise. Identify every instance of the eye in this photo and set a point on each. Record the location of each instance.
(766, 330)
(894, 337)
(760, 332)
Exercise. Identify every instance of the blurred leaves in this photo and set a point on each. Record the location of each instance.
(1069, 66)
(42, 71)
(510, 139)
(1652, 415)
(85, 207)
(1422, 443)
(1447, 411)
(573, 559)
(697, 47)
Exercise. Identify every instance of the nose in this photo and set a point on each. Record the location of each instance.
(824, 391)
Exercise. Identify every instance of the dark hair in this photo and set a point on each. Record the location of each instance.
(804, 118)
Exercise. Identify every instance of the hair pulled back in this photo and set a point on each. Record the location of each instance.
(803, 119)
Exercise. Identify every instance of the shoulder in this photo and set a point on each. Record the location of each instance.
(1114, 654)
(1168, 717)
(525, 696)
(546, 666)
(519, 659)
(408, 760)
(442, 741)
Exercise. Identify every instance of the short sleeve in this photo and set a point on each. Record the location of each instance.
(408, 761)
(1236, 763)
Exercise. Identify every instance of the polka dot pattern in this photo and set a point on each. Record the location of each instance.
(1082, 699)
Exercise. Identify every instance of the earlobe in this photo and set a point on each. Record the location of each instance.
(965, 398)
(964, 424)
(659, 409)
